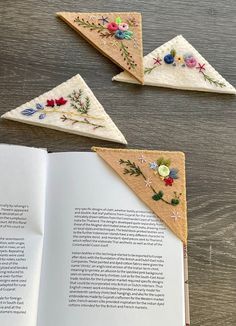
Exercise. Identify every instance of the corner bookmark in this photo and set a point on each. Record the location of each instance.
(70, 107)
(177, 64)
(157, 178)
(117, 35)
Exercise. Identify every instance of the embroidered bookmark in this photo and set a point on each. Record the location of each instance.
(157, 178)
(177, 64)
(118, 35)
(71, 107)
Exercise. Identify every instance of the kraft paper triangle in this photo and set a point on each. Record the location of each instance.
(177, 64)
(71, 107)
(157, 178)
(117, 35)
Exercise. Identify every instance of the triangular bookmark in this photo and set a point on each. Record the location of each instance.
(71, 107)
(177, 64)
(118, 35)
(157, 178)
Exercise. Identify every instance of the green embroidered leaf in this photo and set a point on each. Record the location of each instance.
(173, 52)
(175, 201)
(166, 162)
(118, 20)
(158, 196)
(160, 161)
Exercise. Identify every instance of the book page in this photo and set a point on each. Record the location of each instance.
(107, 258)
(22, 208)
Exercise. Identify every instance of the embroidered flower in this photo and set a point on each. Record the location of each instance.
(190, 62)
(179, 59)
(163, 170)
(157, 60)
(168, 181)
(123, 27)
(119, 34)
(169, 59)
(173, 173)
(142, 159)
(201, 67)
(50, 103)
(175, 215)
(153, 165)
(112, 27)
(60, 101)
(148, 182)
(39, 106)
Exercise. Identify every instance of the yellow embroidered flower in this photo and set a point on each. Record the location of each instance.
(179, 59)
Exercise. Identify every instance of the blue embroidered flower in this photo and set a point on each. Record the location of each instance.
(173, 173)
(169, 59)
(28, 112)
(119, 34)
(39, 106)
(153, 165)
(42, 116)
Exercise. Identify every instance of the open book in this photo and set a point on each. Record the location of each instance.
(77, 247)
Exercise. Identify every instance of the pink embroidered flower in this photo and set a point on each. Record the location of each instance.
(123, 27)
(112, 27)
(190, 62)
(50, 103)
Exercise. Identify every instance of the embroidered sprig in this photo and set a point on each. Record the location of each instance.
(213, 81)
(127, 56)
(92, 26)
(133, 169)
(84, 121)
(77, 103)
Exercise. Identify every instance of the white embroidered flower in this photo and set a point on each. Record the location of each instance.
(148, 182)
(142, 159)
(175, 215)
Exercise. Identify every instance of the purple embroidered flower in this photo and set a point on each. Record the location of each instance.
(169, 59)
(119, 34)
(42, 116)
(28, 112)
(39, 106)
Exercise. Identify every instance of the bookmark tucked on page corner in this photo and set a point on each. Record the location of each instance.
(157, 178)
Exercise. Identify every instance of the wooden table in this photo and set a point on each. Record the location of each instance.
(38, 52)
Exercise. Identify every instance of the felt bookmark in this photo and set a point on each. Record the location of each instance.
(177, 64)
(71, 107)
(157, 178)
(117, 35)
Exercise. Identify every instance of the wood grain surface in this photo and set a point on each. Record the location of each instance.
(38, 52)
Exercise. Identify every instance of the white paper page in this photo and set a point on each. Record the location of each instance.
(107, 259)
(22, 208)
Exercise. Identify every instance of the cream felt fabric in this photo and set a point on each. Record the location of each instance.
(71, 107)
(179, 75)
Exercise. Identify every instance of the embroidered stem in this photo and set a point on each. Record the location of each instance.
(71, 113)
(149, 70)
(85, 121)
(212, 81)
(127, 56)
(134, 170)
(91, 26)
